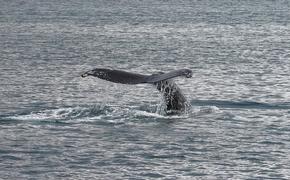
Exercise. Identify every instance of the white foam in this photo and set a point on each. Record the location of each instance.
(206, 110)
(56, 114)
(156, 115)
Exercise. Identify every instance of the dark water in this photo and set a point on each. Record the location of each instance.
(56, 125)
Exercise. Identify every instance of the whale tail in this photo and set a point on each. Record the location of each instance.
(123, 77)
(174, 99)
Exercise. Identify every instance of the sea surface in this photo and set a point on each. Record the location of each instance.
(56, 125)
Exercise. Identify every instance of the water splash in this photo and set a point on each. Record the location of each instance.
(64, 113)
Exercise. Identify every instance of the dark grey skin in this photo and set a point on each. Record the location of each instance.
(174, 99)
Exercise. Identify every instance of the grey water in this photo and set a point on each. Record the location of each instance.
(56, 125)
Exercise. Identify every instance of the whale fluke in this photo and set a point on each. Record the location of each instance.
(174, 99)
(123, 77)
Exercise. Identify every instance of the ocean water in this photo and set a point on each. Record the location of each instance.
(56, 125)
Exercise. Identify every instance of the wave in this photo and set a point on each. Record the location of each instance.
(240, 104)
(101, 112)
(132, 113)
(65, 113)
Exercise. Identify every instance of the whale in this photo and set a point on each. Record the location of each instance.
(174, 100)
